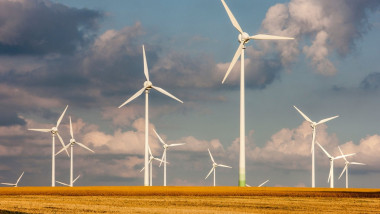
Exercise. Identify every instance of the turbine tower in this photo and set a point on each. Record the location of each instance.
(214, 165)
(151, 158)
(331, 174)
(54, 132)
(243, 39)
(147, 86)
(15, 184)
(71, 144)
(346, 167)
(313, 126)
(165, 146)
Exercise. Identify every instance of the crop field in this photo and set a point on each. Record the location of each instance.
(187, 200)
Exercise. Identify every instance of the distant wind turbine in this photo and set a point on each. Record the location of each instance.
(71, 144)
(165, 146)
(331, 174)
(214, 165)
(54, 132)
(147, 86)
(151, 158)
(346, 166)
(243, 39)
(313, 126)
(15, 184)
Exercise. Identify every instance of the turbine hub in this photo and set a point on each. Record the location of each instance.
(165, 146)
(148, 84)
(313, 125)
(72, 140)
(214, 165)
(54, 130)
(243, 37)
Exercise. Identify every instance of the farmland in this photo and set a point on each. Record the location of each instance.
(187, 199)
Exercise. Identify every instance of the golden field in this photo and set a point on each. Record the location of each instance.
(187, 200)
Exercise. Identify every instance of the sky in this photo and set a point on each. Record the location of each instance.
(88, 54)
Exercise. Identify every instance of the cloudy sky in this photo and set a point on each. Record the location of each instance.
(87, 54)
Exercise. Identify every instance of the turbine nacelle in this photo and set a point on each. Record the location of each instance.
(313, 125)
(243, 37)
(148, 84)
(72, 141)
(54, 130)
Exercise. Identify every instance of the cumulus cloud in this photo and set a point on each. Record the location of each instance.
(330, 27)
(43, 27)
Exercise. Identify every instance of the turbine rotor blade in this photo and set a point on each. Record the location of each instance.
(133, 97)
(247, 185)
(269, 37)
(167, 93)
(328, 155)
(62, 183)
(263, 183)
(158, 136)
(211, 156)
(63, 145)
(232, 18)
(327, 119)
(8, 184)
(163, 156)
(209, 172)
(19, 178)
(344, 156)
(234, 59)
(303, 115)
(224, 166)
(176, 144)
(142, 169)
(71, 129)
(344, 169)
(76, 179)
(82, 145)
(40, 130)
(328, 180)
(356, 163)
(60, 118)
(145, 65)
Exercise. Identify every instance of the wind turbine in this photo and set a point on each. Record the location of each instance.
(243, 39)
(69, 185)
(262, 184)
(214, 165)
(346, 167)
(151, 158)
(15, 184)
(165, 146)
(54, 132)
(313, 126)
(71, 144)
(147, 86)
(331, 174)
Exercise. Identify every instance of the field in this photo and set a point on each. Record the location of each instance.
(187, 200)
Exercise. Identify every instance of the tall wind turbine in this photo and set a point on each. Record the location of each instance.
(54, 132)
(147, 86)
(331, 174)
(346, 166)
(243, 39)
(214, 165)
(71, 144)
(165, 146)
(313, 126)
(151, 158)
(15, 184)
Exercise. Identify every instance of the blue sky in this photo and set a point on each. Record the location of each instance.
(87, 54)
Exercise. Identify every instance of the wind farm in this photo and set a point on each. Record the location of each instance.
(316, 56)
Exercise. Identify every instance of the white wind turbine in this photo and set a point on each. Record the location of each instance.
(71, 144)
(346, 166)
(165, 146)
(331, 174)
(15, 184)
(262, 184)
(54, 132)
(243, 39)
(214, 165)
(313, 126)
(147, 86)
(151, 158)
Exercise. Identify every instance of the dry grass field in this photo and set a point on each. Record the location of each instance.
(187, 200)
